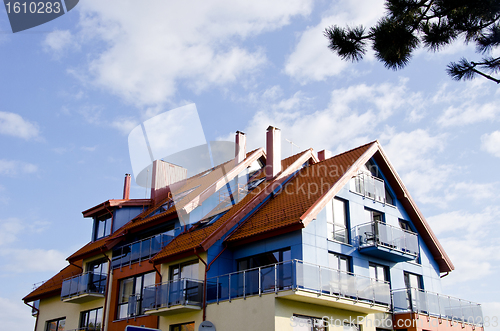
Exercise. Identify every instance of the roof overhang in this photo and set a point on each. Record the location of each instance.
(102, 208)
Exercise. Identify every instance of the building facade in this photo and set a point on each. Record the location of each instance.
(311, 242)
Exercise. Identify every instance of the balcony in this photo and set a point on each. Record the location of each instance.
(369, 186)
(300, 281)
(387, 242)
(437, 305)
(85, 287)
(175, 296)
(140, 250)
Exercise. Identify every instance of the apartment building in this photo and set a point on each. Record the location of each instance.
(310, 242)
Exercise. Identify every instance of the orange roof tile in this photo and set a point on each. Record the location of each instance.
(200, 181)
(193, 239)
(53, 286)
(299, 194)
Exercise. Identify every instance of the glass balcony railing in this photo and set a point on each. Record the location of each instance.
(370, 187)
(391, 237)
(86, 283)
(182, 292)
(438, 305)
(297, 275)
(140, 250)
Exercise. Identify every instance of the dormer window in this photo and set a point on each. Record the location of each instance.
(102, 227)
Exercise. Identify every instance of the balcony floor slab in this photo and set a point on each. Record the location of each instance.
(386, 253)
(331, 301)
(82, 298)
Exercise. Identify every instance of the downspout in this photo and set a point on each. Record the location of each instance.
(37, 313)
(106, 293)
(207, 268)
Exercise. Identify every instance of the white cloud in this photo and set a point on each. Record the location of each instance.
(32, 260)
(466, 237)
(15, 315)
(346, 122)
(144, 62)
(12, 124)
(88, 148)
(9, 228)
(461, 221)
(13, 168)
(467, 103)
(124, 125)
(491, 143)
(58, 41)
(311, 59)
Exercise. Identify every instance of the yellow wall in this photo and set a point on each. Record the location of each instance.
(53, 308)
(285, 309)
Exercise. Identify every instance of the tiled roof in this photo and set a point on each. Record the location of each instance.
(286, 208)
(199, 181)
(53, 285)
(190, 240)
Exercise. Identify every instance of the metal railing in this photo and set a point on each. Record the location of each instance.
(438, 305)
(297, 275)
(392, 237)
(139, 250)
(86, 283)
(182, 291)
(370, 187)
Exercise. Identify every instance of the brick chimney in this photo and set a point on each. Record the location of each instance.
(324, 154)
(240, 147)
(126, 187)
(273, 152)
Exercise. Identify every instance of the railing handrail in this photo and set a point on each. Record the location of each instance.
(435, 293)
(85, 273)
(300, 261)
(388, 225)
(156, 235)
(359, 174)
(174, 281)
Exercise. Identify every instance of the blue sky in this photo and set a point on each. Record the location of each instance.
(72, 89)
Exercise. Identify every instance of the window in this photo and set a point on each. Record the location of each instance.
(374, 216)
(56, 325)
(378, 272)
(339, 262)
(388, 196)
(413, 281)
(337, 224)
(102, 227)
(308, 323)
(265, 259)
(405, 225)
(91, 320)
(130, 294)
(97, 279)
(182, 327)
(184, 270)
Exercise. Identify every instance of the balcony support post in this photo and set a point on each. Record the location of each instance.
(275, 279)
(260, 282)
(244, 285)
